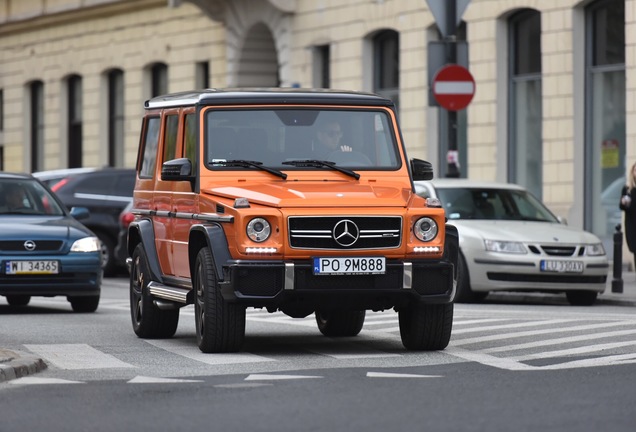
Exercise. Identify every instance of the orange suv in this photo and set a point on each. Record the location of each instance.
(293, 200)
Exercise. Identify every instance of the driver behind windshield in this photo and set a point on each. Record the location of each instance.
(327, 140)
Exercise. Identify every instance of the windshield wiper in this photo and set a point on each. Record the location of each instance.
(248, 163)
(321, 163)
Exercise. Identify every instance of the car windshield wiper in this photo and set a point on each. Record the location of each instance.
(249, 163)
(322, 163)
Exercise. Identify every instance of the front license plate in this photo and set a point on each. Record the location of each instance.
(31, 267)
(349, 266)
(559, 266)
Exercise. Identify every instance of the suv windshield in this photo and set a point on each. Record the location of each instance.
(501, 204)
(359, 139)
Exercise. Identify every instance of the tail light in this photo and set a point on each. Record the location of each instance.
(125, 219)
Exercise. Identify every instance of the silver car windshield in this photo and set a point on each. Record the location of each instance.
(28, 197)
(493, 204)
(300, 139)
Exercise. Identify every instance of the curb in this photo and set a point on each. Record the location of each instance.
(17, 365)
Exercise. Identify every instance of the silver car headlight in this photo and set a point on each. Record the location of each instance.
(505, 247)
(86, 244)
(425, 229)
(595, 250)
(258, 230)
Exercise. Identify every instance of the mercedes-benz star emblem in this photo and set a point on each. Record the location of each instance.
(345, 233)
(29, 245)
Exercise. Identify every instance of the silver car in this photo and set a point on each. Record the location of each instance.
(510, 241)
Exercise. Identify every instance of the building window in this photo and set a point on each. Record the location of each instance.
(74, 126)
(386, 60)
(115, 117)
(525, 144)
(202, 75)
(158, 79)
(321, 64)
(605, 111)
(36, 124)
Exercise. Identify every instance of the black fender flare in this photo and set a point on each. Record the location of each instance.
(212, 236)
(451, 246)
(142, 231)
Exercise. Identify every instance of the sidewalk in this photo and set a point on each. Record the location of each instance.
(16, 365)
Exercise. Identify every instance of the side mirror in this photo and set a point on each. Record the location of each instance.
(421, 169)
(80, 213)
(177, 169)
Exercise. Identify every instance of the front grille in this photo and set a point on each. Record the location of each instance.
(559, 250)
(345, 232)
(40, 245)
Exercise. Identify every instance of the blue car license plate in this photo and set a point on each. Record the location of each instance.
(31, 267)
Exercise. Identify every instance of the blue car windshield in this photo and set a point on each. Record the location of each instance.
(28, 197)
(493, 204)
(300, 139)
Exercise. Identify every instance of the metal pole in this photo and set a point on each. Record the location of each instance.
(452, 159)
(617, 281)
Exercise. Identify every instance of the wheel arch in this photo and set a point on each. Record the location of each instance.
(211, 236)
(142, 231)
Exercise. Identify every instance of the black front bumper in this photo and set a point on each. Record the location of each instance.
(278, 284)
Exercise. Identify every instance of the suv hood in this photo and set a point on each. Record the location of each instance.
(318, 194)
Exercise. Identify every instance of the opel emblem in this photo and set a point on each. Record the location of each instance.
(345, 232)
(29, 245)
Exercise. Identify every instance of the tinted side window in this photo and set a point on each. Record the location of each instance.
(124, 185)
(170, 144)
(190, 138)
(150, 144)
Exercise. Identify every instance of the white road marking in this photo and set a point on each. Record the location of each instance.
(41, 381)
(399, 375)
(140, 379)
(77, 356)
(511, 326)
(488, 360)
(512, 335)
(191, 351)
(560, 341)
(574, 351)
(266, 377)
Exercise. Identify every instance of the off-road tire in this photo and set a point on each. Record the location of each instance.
(148, 321)
(340, 323)
(220, 326)
(426, 327)
(465, 294)
(18, 300)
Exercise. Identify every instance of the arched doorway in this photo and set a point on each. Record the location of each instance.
(258, 60)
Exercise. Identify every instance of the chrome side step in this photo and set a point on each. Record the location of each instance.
(165, 292)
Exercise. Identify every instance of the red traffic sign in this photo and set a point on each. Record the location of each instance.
(453, 87)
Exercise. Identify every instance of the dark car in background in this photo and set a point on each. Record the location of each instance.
(44, 249)
(105, 192)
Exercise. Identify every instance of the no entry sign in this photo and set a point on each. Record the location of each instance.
(453, 87)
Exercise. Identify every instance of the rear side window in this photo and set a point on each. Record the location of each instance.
(190, 138)
(149, 145)
(170, 144)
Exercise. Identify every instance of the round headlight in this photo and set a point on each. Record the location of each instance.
(425, 229)
(258, 230)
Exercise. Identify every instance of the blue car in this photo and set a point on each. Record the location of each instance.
(44, 249)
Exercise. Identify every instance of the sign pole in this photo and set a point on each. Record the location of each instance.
(452, 158)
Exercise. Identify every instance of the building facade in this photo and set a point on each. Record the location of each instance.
(553, 109)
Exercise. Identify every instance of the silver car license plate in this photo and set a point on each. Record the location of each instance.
(562, 266)
(349, 265)
(31, 267)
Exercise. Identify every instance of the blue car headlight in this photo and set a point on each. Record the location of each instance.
(86, 244)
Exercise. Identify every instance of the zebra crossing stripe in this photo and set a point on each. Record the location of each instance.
(154, 380)
(42, 381)
(77, 356)
(273, 377)
(191, 351)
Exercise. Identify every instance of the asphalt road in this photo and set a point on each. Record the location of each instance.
(514, 363)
